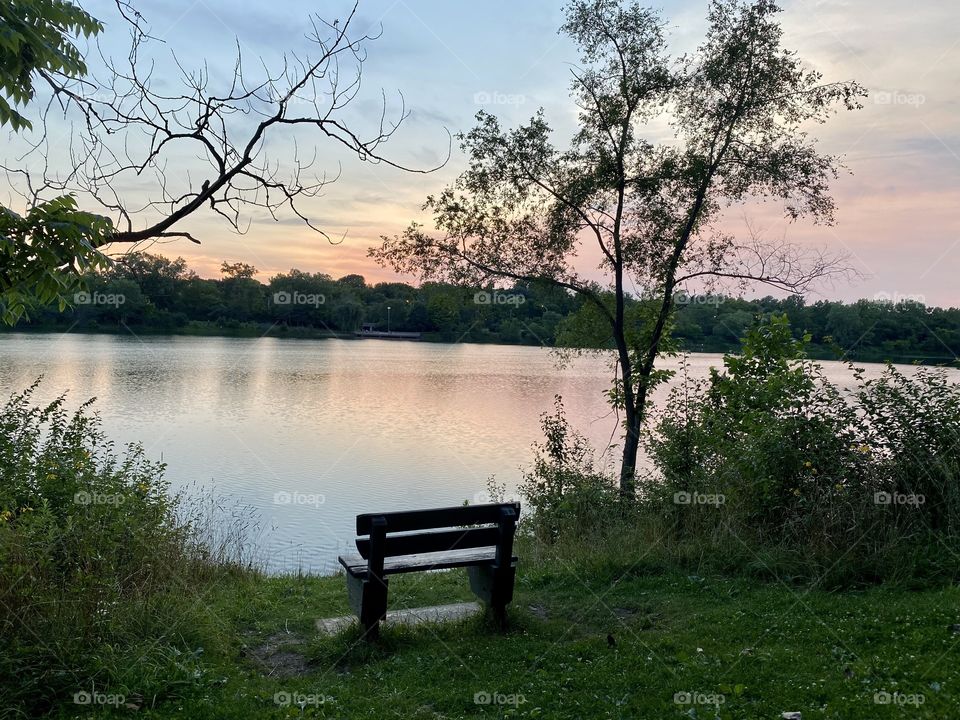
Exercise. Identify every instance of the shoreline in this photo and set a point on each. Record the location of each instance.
(282, 332)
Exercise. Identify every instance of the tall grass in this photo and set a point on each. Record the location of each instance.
(103, 570)
(768, 468)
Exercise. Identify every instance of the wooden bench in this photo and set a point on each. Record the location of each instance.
(419, 540)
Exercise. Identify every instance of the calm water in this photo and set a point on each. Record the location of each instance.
(312, 432)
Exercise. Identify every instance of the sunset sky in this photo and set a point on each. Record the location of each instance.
(897, 213)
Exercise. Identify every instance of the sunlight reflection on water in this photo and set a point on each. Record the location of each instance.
(342, 427)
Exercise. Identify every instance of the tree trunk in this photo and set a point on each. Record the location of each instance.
(631, 447)
(632, 420)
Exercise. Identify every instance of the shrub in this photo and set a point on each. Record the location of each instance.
(804, 475)
(912, 427)
(568, 495)
(99, 571)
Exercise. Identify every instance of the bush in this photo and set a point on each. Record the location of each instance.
(912, 427)
(568, 495)
(100, 572)
(771, 459)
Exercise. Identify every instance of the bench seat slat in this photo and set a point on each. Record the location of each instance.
(357, 566)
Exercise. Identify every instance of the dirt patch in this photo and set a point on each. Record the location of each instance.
(276, 658)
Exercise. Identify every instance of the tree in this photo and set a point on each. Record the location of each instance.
(36, 41)
(523, 209)
(237, 271)
(157, 276)
(242, 293)
(44, 253)
(124, 129)
(44, 250)
(843, 325)
(354, 282)
(349, 314)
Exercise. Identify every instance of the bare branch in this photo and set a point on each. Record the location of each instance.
(122, 130)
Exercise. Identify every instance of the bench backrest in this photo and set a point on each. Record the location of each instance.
(499, 520)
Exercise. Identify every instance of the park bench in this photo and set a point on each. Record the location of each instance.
(477, 537)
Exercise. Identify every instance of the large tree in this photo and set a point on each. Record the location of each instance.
(737, 113)
(257, 135)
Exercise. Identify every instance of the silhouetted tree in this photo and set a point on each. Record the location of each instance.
(524, 208)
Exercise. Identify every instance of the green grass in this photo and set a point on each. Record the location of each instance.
(767, 648)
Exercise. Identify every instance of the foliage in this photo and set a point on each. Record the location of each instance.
(35, 40)
(912, 426)
(566, 494)
(43, 254)
(897, 329)
(170, 297)
(164, 295)
(101, 567)
(770, 454)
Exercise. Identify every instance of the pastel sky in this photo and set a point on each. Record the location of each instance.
(898, 210)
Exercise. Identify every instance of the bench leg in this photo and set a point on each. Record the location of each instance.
(503, 580)
(373, 607)
(368, 598)
(495, 587)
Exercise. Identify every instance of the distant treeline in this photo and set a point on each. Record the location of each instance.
(149, 293)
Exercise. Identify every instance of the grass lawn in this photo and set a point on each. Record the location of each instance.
(683, 647)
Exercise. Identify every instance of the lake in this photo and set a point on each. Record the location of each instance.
(309, 433)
